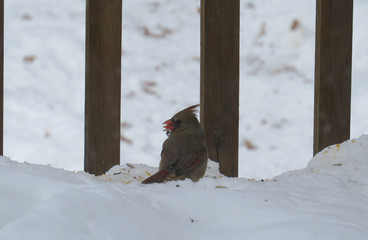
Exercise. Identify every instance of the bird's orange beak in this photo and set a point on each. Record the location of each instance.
(169, 125)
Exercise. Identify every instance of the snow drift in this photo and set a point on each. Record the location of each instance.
(325, 200)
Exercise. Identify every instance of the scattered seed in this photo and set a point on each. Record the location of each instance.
(130, 165)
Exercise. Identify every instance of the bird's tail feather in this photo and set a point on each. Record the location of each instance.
(158, 177)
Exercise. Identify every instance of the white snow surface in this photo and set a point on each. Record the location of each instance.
(44, 80)
(326, 200)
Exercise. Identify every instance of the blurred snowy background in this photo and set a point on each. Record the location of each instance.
(44, 80)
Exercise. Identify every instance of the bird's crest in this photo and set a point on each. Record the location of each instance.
(193, 109)
(184, 116)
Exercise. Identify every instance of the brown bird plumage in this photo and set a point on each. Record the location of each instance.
(184, 153)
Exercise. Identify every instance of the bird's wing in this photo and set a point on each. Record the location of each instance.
(170, 156)
(180, 160)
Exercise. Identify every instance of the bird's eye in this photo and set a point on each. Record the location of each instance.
(176, 123)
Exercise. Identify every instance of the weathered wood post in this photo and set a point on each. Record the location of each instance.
(220, 81)
(332, 103)
(1, 77)
(103, 85)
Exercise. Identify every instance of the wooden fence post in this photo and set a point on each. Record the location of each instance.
(1, 77)
(332, 101)
(103, 85)
(220, 81)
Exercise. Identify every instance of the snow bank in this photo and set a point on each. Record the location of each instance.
(326, 200)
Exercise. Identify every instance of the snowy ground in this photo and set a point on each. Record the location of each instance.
(44, 80)
(325, 200)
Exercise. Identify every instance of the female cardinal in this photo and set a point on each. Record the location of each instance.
(184, 153)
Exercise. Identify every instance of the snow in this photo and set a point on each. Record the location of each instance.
(325, 200)
(44, 97)
(44, 194)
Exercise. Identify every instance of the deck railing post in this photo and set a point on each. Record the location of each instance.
(220, 81)
(103, 85)
(1, 77)
(334, 24)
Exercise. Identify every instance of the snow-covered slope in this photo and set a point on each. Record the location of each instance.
(325, 200)
(44, 79)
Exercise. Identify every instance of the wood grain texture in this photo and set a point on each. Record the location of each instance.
(103, 85)
(1, 77)
(334, 24)
(220, 81)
